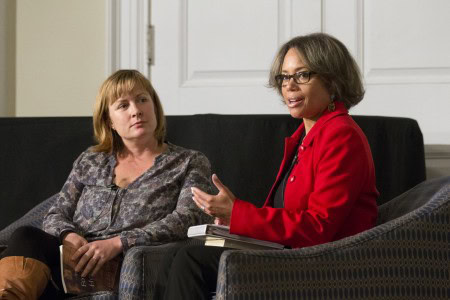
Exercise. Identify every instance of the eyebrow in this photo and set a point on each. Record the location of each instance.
(120, 100)
(300, 69)
(143, 94)
(138, 95)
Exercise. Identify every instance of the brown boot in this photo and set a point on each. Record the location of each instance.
(22, 278)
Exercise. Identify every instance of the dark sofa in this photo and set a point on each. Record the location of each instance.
(36, 154)
(405, 256)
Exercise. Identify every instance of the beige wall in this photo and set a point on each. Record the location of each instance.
(7, 57)
(61, 55)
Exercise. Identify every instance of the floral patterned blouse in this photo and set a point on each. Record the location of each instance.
(155, 208)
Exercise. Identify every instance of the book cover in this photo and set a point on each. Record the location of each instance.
(106, 279)
(220, 236)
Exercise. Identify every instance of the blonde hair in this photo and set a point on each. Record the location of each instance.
(119, 83)
(330, 59)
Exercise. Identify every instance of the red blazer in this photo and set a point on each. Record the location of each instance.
(330, 193)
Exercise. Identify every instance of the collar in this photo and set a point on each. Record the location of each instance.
(324, 118)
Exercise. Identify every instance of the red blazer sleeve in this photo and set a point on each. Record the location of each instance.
(330, 193)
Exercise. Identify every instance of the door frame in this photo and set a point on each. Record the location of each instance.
(127, 24)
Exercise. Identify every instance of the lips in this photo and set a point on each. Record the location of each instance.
(295, 101)
(138, 123)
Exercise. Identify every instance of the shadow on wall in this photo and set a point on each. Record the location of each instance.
(7, 57)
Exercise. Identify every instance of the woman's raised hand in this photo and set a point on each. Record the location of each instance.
(220, 205)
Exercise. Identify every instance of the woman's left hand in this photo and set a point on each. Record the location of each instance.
(92, 256)
(220, 205)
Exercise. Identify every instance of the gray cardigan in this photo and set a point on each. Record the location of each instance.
(155, 208)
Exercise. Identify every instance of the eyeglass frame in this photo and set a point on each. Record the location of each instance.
(280, 78)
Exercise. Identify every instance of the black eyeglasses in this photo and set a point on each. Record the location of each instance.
(299, 78)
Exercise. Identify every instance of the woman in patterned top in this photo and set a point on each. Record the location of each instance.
(130, 189)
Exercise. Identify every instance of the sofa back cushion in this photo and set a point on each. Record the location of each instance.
(246, 150)
(36, 154)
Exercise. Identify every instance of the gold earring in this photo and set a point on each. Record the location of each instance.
(331, 106)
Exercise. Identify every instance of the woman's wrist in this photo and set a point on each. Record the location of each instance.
(64, 234)
(117, 244)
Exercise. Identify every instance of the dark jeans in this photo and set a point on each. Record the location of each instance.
(35, 243)
(189, 273)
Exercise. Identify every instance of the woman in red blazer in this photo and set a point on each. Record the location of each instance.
(325, 189)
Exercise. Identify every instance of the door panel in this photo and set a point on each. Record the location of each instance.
(213, 56)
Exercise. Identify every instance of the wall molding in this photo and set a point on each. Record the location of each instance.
(359, 7)
(127, 35)
(111, 43)
(408, 75)
(437, 152)
(285, 25)
(437, 159)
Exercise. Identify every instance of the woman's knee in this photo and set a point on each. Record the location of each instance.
(27, 241)
(197, 257)
(33, 243)
(186, 257)
(181, 259)
(25, 233)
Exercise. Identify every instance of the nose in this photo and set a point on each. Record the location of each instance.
(136, 111)
(292, 85)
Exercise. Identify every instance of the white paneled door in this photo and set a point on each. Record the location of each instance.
(214, 56)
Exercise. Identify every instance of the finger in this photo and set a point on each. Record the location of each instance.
(198, 202)
(83, 260)
(220, 186)
(201, 205)
(220, 221)
(199, 194)
(81, 263)
(89, 266)
(81, 250)
(98, 266)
